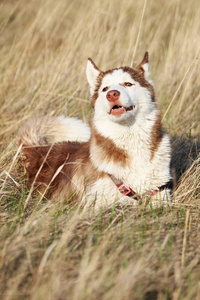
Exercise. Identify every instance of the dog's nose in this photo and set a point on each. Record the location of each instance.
(113, 95)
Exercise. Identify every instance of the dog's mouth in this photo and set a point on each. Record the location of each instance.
(118, 110)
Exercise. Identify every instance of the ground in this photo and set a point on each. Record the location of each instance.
(52, 250)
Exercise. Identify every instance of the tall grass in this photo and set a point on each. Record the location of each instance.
(51, 250)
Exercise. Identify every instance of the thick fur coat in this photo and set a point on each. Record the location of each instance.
(126, 145)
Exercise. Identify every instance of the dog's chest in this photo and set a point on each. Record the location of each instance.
(135, 170)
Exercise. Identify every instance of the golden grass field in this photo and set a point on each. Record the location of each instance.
(50, 250)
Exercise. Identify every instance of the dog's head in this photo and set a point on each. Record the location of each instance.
(121, 93)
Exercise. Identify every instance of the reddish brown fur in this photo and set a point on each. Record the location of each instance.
(75, 159)
(96, 92)
(137, 75)
(74, 156)
(51, 157)
(145, 60)
(108, 150)
(156, 136)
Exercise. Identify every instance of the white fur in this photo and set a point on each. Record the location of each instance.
(131, 132)
(103, 193)
(133, 95)
(92, 74)
(147, 73)
(50, 130)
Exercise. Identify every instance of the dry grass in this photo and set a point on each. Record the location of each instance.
(53, 251)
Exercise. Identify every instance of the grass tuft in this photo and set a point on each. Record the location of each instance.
(51, 250)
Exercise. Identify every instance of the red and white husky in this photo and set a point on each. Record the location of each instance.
(125, 157)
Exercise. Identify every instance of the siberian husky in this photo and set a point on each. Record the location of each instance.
(124, 158)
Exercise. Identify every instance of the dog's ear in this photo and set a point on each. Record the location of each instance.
(143, 67)
(92, 72)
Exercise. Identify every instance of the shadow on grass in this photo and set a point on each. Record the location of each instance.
(185, 150)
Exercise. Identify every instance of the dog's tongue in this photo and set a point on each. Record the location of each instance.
(117, 111)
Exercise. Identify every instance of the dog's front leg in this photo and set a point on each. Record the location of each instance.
(104, 194)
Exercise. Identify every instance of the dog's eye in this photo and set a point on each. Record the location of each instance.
(128, 84)
(105, 89)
